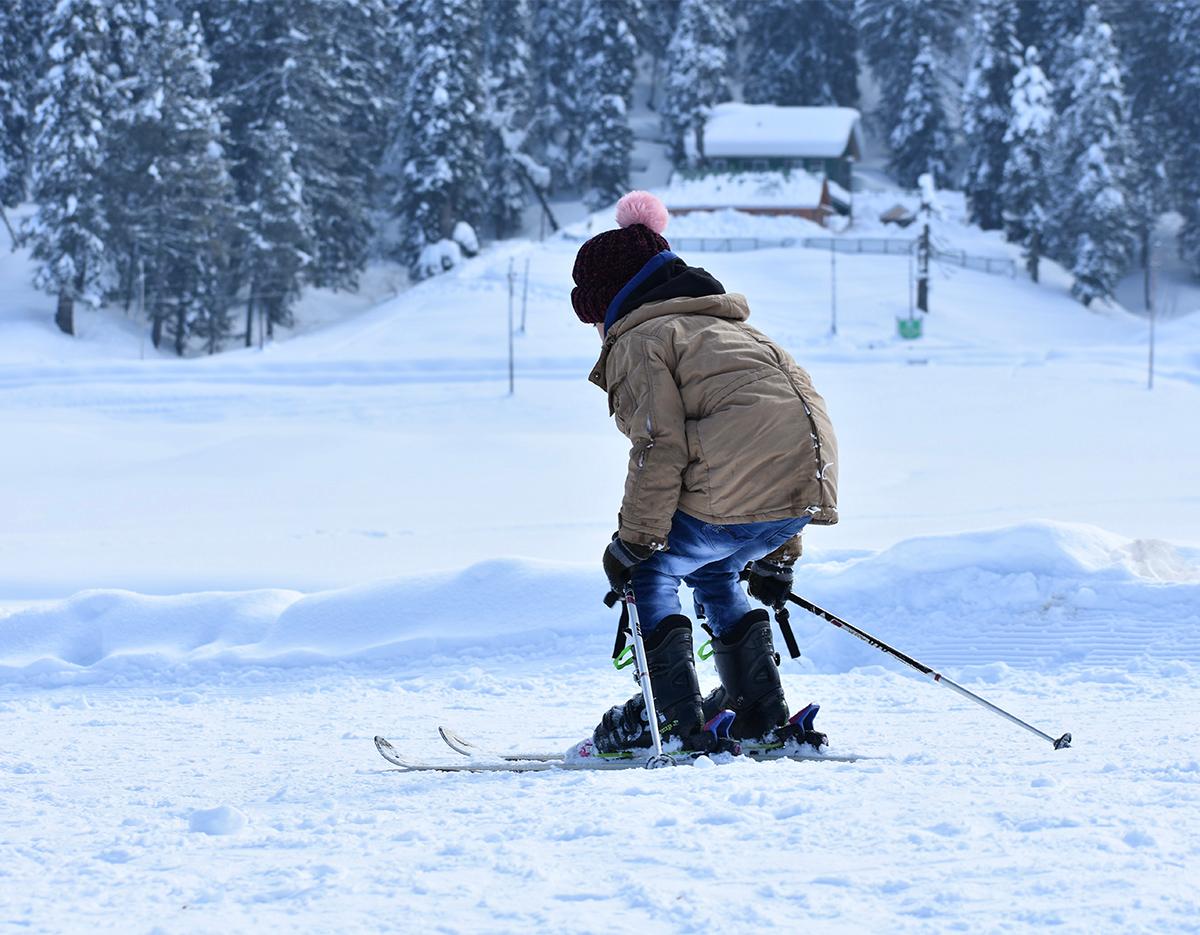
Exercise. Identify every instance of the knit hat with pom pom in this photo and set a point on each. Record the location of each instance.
(608, 261)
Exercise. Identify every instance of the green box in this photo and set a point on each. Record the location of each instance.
(910, 328)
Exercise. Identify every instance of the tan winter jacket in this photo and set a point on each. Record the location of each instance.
(724, 424)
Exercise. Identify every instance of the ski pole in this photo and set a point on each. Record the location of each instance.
(1060, 743)
(642, 673)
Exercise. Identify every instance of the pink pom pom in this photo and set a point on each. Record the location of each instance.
(643, 208)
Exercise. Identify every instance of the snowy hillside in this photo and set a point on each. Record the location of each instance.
(220, 577)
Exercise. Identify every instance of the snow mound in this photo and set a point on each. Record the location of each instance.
(489, 604)
(224, 819)
(1039, 594)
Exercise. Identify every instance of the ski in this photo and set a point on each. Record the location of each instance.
(389, 753)
(765, 751)
(478, 764)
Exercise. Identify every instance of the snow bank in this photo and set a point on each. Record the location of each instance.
(1041, 594)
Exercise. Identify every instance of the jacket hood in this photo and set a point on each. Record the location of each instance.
(729, 305)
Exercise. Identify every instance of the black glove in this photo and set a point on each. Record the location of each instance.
(619, 559)
(770, 582)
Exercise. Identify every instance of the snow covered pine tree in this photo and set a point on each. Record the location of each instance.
(1025, 191)
(697, 72)
(74, 103)
(603, 74)
(443, 132)
(1093, 165)
(921, 138)
(987, 102)
(800, 52)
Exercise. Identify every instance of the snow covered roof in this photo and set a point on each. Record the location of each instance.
(792, 189)
(765, 130)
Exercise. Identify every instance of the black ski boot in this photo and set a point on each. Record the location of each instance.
(676, 692)
(749, 669)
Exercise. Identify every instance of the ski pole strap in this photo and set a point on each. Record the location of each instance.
(783, 618)
(622, 627)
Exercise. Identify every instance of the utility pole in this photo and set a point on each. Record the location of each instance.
(1152, 308)
(142, 305)
(832, 286)
(525, 296)
(512, 276)
(923, 241)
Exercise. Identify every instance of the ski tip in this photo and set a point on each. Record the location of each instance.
(456, 743)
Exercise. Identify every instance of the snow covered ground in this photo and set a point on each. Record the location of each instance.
(110, 795)
(220, 577)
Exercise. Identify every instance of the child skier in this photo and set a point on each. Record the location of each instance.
(732, 455)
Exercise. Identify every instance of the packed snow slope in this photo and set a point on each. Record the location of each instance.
(220, 577)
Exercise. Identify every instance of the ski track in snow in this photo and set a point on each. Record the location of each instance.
(256, 800)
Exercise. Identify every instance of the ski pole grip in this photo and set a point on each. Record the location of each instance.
(611, 598)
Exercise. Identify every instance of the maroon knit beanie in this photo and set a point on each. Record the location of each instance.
(609, 260)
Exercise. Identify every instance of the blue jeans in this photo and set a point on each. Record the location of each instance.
(709, 558)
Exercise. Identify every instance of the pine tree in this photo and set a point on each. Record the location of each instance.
(840, 42)
(18, 58)
(281, 242)
(697, 66)
(1183, 92)
(921, 141)
(555, 135)
(74, 95)
(326, 70)
(1051, 27)
(331, 103)
(1148, 68)
(251, 46)
(134, 36)
(987, 101)
(189, 214)
(1025, 192)
(1093, 160)
(604, 72)
(891, 33)
(656, 27)
(443, 127)
(507, 111)
(800, 52)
